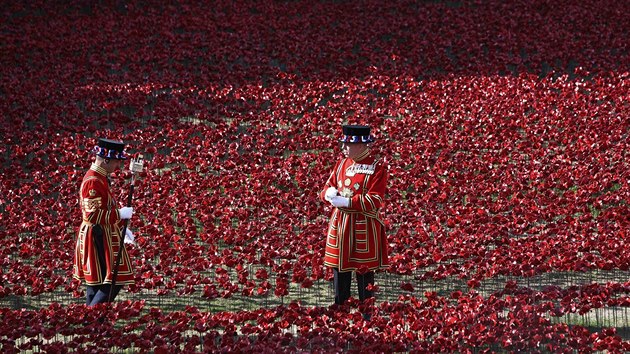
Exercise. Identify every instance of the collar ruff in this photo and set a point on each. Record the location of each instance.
(98, 169)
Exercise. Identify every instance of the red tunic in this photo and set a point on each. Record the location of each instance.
(99, 212)
(356, 235)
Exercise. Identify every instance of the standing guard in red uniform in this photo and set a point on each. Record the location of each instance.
(99, 239)
(356, 239)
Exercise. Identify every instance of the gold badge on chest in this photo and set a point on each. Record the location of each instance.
(346, 193)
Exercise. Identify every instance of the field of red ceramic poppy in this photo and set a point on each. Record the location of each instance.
(505, 126)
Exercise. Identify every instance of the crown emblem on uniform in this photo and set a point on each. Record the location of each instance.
(92, 192)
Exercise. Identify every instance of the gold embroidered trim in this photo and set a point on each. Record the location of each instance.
(91, 204)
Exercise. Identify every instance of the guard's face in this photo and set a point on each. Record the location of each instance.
(353, 150)
(113, 165)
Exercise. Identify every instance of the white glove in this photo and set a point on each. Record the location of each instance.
(340, 202)
(330, 192)
(129, 237)
(125, 212)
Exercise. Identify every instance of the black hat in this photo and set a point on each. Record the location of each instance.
(356, 134)
(110, 149)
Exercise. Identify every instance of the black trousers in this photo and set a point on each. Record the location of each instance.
(97, 294)
(343, 280)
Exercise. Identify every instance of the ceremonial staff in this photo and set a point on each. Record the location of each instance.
(135, 166)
